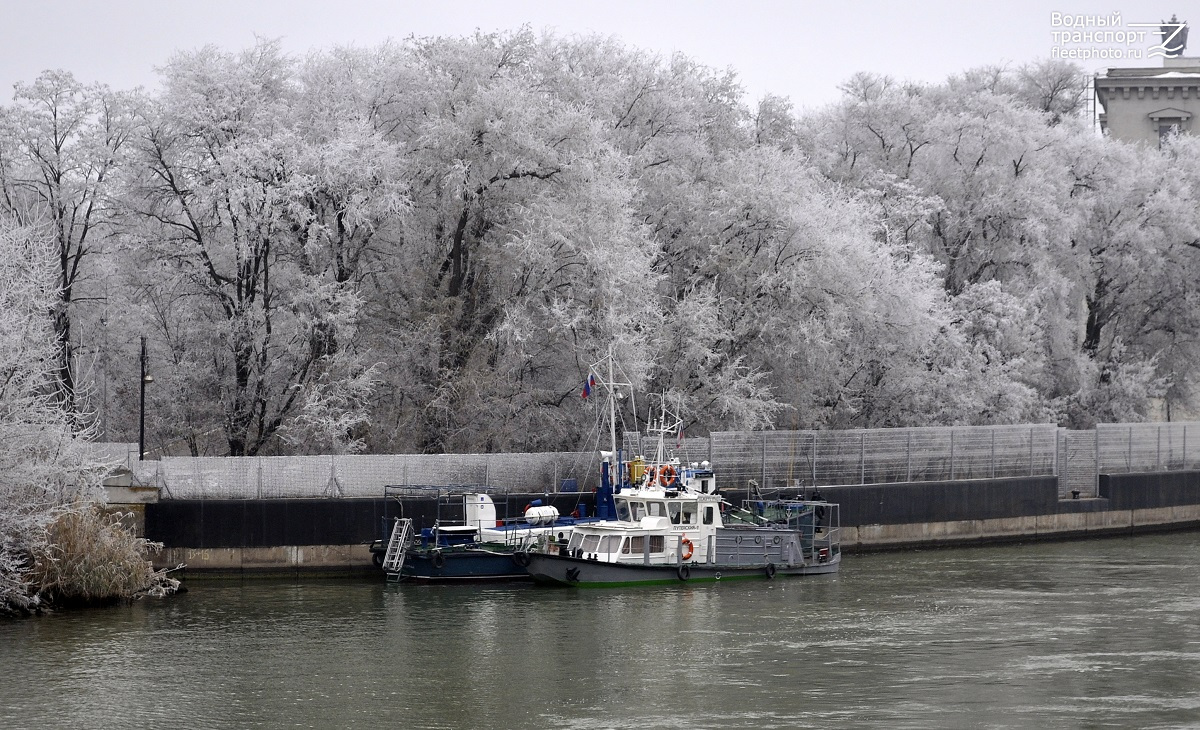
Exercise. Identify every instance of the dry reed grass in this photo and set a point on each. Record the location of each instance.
(91, 557)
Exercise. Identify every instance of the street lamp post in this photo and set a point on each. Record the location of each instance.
(142, 406)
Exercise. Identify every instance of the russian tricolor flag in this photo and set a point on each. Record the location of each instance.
(588, 385)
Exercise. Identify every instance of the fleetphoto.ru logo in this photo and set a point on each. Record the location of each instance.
(1083, 37)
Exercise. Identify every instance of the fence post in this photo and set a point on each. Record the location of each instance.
(1129, 452)
(258, 475)
(908, 452)
(993, 452)
(952, 454)
(1158, 448)
(814, 458)
(862, 457)
(1054, 459)
(763, 483)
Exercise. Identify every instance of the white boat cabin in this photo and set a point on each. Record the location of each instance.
(656, 524)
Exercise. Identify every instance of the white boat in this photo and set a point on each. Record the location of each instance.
(673, 526)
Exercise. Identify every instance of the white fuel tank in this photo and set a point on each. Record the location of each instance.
(544, 515)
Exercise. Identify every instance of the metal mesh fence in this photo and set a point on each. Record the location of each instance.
(1130, 447)
(366, 476)
(874, 456)
(769, 458)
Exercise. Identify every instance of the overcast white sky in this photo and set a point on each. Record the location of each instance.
(801, 50)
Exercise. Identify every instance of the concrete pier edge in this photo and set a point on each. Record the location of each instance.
(331, 537)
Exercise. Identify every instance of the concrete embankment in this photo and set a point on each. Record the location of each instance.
(290, 536)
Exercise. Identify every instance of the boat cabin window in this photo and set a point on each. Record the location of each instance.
(623, 510)
(636, 545)
(708, 515)
(576, 541)
(590, 543)
(638, 509)
(682, 513)
(609, 544)
(656, 509)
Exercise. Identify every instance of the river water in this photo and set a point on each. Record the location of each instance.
(1088, 634)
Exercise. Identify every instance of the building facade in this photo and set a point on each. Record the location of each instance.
(1146, 104)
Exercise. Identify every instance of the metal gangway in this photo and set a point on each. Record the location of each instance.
(398, 544)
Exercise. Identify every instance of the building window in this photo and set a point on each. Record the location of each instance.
(1166, 128)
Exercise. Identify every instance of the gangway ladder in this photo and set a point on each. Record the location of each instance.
(398, 544)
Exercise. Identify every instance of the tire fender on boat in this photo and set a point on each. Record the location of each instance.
(770, 571)
(684, 572)
(438, 560)
(521, 558)
(686, 549)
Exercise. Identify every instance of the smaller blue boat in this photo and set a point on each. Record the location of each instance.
(479, 548)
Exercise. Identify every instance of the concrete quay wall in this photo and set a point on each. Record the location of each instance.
(293, 536)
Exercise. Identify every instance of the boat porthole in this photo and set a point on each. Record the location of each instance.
(775, 540)
(757, 540)
(737, 539)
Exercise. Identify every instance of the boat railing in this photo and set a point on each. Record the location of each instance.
(816, 523)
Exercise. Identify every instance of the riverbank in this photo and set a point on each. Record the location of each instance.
(289, 537)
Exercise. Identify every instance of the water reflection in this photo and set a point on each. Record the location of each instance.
(1083, 634)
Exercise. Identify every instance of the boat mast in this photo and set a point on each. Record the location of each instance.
(612, 405)
(597, 372)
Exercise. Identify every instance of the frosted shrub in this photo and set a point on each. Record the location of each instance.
(91, 557)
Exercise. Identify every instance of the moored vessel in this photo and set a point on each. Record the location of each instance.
(671, 525)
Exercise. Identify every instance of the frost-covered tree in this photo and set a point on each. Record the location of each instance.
(1064, 253)
(257, 218)
(61, 142)
(44, 464)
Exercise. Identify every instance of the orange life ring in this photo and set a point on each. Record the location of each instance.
(687, 549)
(666, 475)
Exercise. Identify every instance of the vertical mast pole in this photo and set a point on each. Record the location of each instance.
(612, 404)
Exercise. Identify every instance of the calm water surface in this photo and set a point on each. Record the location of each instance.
(1091, 634)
